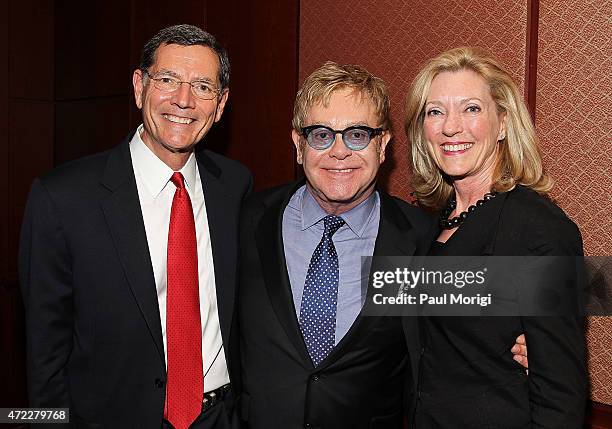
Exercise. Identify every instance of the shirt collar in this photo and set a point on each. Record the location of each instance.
(155, 174)
(356, 218)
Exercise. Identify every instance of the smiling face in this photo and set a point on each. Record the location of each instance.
(462, 126)
(175, 121)
(337, 177)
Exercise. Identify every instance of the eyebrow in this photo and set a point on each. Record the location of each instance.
(461, 101)
(178, 76)
(349, 125)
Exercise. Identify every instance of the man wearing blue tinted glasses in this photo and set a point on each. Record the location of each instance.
(309, 358)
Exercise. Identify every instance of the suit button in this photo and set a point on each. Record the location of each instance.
(307, 426)
(315, 377)
(159, 383)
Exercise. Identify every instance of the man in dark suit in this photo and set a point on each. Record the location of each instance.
(313, 355)
(310, 357)
(128, 257)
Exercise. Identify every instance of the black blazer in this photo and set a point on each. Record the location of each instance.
(360, 384)
(468, 378)
(94, 341)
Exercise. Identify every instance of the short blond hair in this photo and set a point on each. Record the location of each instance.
(330, 77)
(519, 161)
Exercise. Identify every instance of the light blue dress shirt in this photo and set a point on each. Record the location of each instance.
(302, 232)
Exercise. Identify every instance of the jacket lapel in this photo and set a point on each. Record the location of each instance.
(220, 227)
(396, 237)
(124, 218)
(274, 267)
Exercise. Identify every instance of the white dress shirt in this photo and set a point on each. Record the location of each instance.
(155, 192)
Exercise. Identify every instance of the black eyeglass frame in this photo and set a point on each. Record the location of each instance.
(372, 132)
(215, 91)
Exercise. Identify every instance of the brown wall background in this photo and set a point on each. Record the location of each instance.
(574, 86)
(574, 83)
(559, 53)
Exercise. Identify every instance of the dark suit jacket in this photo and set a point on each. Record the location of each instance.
(360, 384)
(468, 378)
(94, 341)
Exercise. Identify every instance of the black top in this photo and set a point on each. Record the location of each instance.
(437, 248)
(468, 378)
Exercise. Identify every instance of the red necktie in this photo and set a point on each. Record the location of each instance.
(185, 387)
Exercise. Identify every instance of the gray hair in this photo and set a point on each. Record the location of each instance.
(186, 35)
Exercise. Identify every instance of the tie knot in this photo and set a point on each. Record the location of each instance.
(177, 179)
(332, 224)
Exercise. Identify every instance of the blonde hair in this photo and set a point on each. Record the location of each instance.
(518, 162)
(330, 77)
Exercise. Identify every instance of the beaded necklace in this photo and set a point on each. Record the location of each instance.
(446, 223)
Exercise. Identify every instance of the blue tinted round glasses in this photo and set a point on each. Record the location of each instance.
(357, 137)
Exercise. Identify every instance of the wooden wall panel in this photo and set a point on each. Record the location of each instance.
(392, 39)
(30, 155)
(92, 49)
(31, 83)
(12, 344)
(31, 49)
(92, 78)
(28, 152)
(4, 138)
(262, 45)
(147, 17)
(101, 124)
(12, 374)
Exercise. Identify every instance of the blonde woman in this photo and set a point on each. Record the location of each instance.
(477, 163)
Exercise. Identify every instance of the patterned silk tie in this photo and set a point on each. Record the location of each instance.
(320, 297)
(185, 387)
